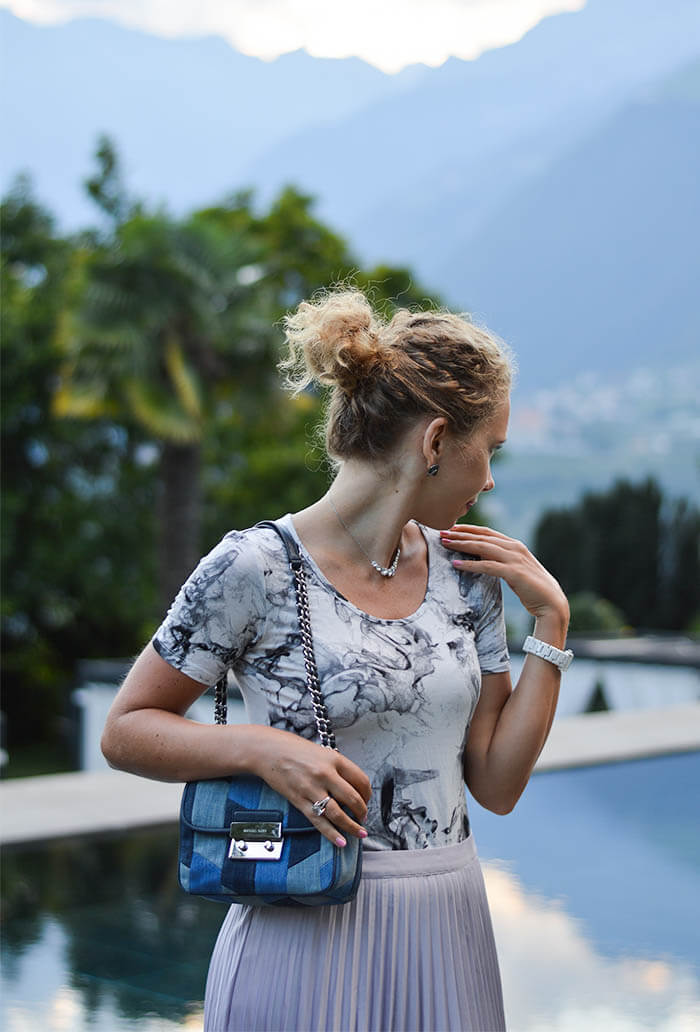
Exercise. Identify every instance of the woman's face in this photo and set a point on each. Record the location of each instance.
(465, 469)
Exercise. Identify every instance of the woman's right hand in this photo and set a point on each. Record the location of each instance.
(146, 733)
(304, 772)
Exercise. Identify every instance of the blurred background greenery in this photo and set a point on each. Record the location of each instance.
(143, 415)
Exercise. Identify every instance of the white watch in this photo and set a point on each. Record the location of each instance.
(560, 657)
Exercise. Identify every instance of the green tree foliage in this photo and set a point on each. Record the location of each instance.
(169, 327)
(75, 500)
(591, 614)
(161, 323)
(681, 598)
(630, 547)
(142, 402)
(598, 701)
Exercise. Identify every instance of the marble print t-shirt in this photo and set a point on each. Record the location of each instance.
(400, 693)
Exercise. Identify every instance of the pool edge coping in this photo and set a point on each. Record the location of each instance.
(59, 806)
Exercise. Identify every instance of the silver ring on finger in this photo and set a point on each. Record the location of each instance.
(320, 806)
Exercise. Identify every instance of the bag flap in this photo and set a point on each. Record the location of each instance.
(212, 805)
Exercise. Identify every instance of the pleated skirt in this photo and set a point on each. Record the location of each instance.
(413, 951)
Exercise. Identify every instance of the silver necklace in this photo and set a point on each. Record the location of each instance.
(386, 571)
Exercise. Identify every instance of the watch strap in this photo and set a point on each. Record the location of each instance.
(561, 658)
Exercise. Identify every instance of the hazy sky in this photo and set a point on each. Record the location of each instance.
(387, 33)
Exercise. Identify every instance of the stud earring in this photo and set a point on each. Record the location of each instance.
(433, 470)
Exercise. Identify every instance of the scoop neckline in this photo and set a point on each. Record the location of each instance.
(323, 580)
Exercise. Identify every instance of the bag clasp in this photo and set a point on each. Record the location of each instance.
(255, 840)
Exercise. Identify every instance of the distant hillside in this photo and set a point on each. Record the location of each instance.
(195, 119)
(549, 185)
(473, 130)
(187, 114)
(595, 263)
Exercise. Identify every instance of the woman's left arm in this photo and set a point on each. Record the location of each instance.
(510, 726)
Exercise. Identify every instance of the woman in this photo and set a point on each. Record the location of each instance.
(410, 644)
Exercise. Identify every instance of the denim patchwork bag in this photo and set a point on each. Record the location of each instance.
(242, 842)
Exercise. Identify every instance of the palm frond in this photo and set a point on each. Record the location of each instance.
(183, 378)
(80, 400)
(160, 414)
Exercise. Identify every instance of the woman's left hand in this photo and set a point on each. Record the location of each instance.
(505, 557)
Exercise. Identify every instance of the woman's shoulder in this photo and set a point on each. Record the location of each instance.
(240, 556)
(471, 587)
(223, 605)
(258, 538)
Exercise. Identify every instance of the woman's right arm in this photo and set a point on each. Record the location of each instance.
(146, 733)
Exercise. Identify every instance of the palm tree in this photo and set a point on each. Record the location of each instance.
(170, 327)
(164, 327)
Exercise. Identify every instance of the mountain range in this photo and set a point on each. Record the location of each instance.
(549, 186)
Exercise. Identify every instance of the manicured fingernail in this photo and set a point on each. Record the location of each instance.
(340, 841)
(363, 833)
(457, 562)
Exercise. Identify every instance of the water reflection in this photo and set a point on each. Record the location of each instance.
(619, 844)
(596, 915)
(555, 979)
(99, 935)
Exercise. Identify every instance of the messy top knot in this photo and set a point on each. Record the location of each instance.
(335, 341)
(384, 375)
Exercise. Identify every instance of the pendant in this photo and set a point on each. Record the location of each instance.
(387, 571)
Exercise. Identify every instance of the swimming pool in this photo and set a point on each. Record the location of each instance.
(597, 907)
(594, 882)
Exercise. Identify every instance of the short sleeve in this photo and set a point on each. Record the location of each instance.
(219, 611)
(490, 627)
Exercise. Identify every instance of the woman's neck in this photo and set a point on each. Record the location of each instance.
(364, 509)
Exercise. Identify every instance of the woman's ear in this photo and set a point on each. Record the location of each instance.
(434, 440)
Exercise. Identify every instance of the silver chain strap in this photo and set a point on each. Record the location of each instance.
(221, 700)
(323, 722)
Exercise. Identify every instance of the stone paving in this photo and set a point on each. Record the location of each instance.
(96, 802)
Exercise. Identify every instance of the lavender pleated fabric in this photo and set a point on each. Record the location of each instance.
(413, 951)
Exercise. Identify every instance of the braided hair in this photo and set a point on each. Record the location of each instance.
(384, 375)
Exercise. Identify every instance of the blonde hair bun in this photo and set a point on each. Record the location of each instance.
(383, 375)
(334, 340)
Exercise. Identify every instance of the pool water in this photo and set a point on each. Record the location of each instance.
(101, 932)
(594, 884)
